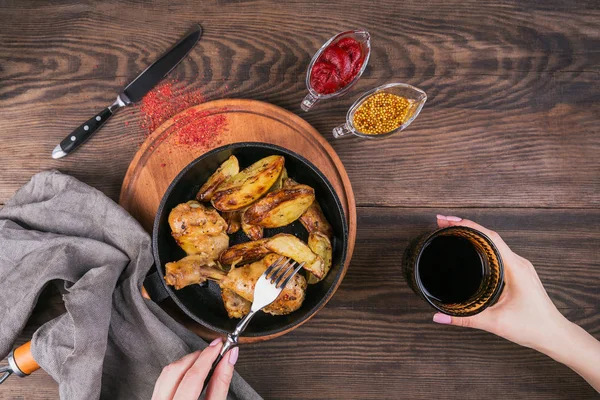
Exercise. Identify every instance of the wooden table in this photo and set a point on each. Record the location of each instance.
(509, 138)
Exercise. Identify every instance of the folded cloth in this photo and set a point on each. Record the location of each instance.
(111, 343)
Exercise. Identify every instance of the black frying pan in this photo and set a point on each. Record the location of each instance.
(203, 302)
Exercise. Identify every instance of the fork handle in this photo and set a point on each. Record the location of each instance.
(232, 341)
(211, 372)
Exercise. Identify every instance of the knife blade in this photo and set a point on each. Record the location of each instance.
(132, 93)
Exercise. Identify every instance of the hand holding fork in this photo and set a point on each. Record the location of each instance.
(177, 379)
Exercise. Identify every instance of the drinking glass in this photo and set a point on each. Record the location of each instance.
(414, 95)
(364, 39)
(492, 281)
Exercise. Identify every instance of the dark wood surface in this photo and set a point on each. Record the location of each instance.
(509, 137)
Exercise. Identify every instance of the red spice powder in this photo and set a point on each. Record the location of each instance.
(194, 127)
(190, 127)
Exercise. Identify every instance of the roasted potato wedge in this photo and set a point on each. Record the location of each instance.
(242, 280)
(225, 171)
(279, 182)
(294, 248)
(235, 305)
(289, 182)
(244, 253)
(254, 232)
(192, 270)
(248, 185)
(234, 221)
(313, 218)
(280, 208)
(320, 244)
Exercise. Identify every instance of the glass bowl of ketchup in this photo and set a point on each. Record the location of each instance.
(337, 66)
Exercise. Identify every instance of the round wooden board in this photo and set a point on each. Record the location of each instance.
(160, 159)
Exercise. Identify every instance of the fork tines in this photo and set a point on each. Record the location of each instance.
(279, 274)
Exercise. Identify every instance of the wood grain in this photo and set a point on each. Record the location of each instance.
(375, 338)
(258, 38)
(517, 100)
(561, 244)
(351, 354)
(509, 137)
(540, 147)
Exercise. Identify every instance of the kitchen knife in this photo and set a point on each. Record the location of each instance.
(131, 94)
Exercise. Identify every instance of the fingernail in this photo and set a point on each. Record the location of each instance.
(440, 216)
(453, 219)
(442, 318)
(215, 342)
(233, 355)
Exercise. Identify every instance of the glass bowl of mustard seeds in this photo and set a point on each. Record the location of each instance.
(383, 111)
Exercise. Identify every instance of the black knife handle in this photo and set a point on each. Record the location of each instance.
(85, 131)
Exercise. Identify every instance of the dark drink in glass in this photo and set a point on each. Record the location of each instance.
(457, 270)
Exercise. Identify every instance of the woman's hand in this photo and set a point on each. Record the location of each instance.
(183, 379)
(524, 313)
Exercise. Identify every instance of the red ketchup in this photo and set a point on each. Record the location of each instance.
(337, 66)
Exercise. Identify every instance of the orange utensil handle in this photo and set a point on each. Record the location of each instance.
(20, 363)
(24, 359)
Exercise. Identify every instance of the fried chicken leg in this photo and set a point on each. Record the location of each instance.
(199, 229)
(237, 286)
(243, 279)
(191, 270)
(236, 305)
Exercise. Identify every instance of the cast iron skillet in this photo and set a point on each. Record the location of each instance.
(203, 302)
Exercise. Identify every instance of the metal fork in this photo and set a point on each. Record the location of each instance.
(267, 289)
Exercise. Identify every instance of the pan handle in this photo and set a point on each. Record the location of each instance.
(20, 363)
(155, 288)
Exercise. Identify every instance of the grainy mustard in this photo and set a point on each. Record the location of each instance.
(382, 113)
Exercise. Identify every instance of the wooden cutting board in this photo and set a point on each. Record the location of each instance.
(161, 158)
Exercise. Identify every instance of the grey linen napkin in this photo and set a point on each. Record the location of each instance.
(111, 343)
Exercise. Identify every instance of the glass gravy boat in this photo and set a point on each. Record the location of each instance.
(364, 39)
(415, 96)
